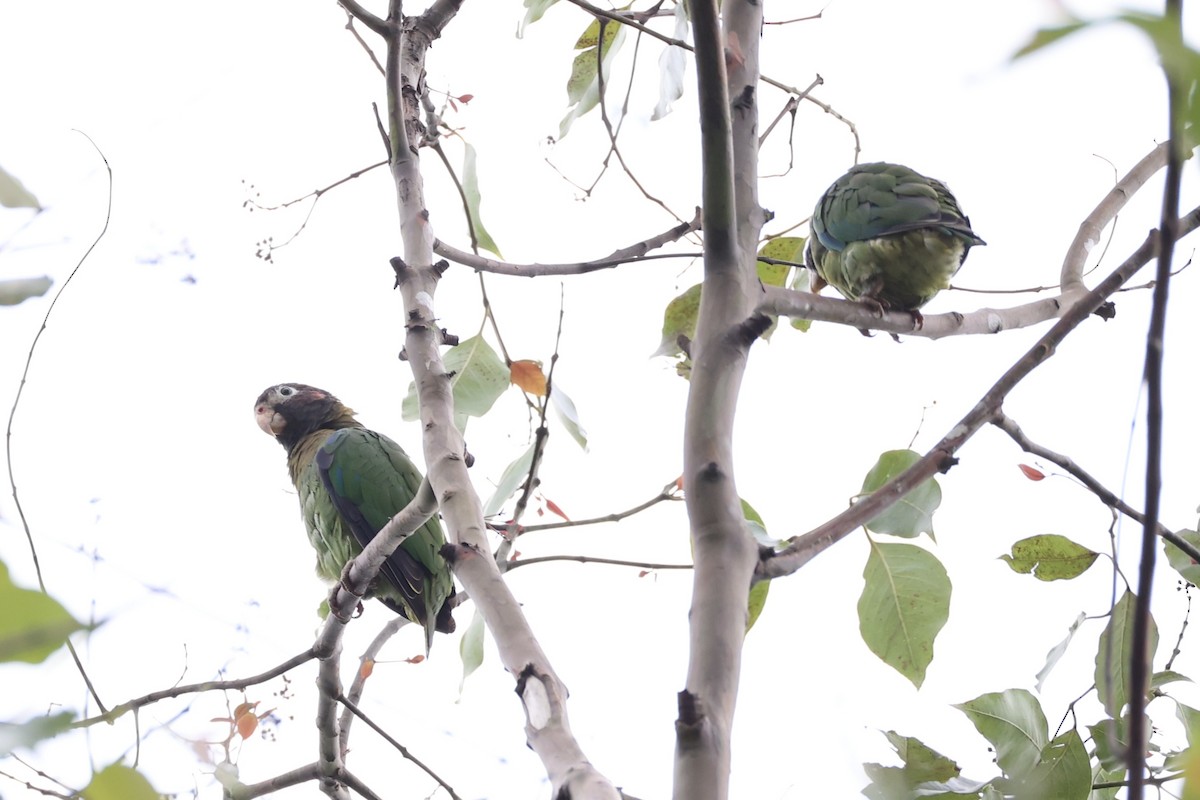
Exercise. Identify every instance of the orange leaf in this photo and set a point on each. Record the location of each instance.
(415, 659)
(1032, 473)
(679, 483)
(368, 666)
(246, 724)
(553, 506)
(529, 376)
(466, 98)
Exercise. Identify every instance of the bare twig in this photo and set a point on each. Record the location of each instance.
(669, 492)
(404, 751)
(619, 562)
(635, 252)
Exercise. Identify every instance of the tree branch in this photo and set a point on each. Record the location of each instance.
(634, 252)
(803, 548)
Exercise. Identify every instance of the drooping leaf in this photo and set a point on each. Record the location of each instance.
(921, 762)
(1063, 773)
(513, 477)
(119, 782)
(477, 377)
(1057, 651)
(1033, 473)
(564, 409)
(801, 282)
(600, 42)
(18, 290)
(1181, 561)
(758, 591)
(1050, 557)
(529, 377)
(1114, 655)
(32, 624)
(904, 604)
(1110, 737)
(13, 193)
(28, 734)
(671, 66)
(679, 319)
(912, 515)
(534, 9)
(1047, 36)
(1013, 722)
(470, 185)
(470, 649)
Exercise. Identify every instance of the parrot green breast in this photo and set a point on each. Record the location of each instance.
(351, 482)
(885, 233)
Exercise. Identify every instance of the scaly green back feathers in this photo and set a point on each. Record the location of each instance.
(889, 235)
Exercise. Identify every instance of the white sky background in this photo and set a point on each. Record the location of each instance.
(135, 440)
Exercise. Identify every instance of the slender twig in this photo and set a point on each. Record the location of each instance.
(404, 751)
(1182, 628)
(358, 37)
(669, 492)
(365, 17)
(619, 562)
(195, 688)
(1141, 657)
(638, 251)
(1103, 494)
(12, 413)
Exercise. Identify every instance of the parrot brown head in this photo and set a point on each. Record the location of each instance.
(292, 411)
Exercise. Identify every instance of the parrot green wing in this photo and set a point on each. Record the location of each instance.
(356, 482)
(886, 233)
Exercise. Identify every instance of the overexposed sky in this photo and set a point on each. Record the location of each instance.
(157, 505)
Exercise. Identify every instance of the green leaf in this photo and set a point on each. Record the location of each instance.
(564, 409)
(470, 184)
(534, 9)
(32, 624)
(18, 290)
(1063, 773)
(679, 320)
(1057, 651)
(1100, 775)
(513, 477)
(801, 282)
(27, 734)
(782, 248)
(477, 377)
(1115, 655)
(583, 87)
(912, 515)
(1181, 561)
(470, 649)
(1050, 557)
(1111, 739)
(119, 782)
(1048, 36)
(921, 762)
(671, 65)
(904, 604)
(758, 591)
(1190, 718)
(13, 193)
(757, 602)
(1013, 722)
(1161, 679)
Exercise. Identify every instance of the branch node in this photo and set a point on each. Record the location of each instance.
(449, 338)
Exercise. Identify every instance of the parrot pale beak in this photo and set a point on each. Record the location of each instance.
(270, 420)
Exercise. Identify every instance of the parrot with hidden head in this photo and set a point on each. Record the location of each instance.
(351, 481)
(888, 236)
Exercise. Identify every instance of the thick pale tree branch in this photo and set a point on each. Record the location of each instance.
(942, 456)
(542, 694)
(723, 548)
(634, 252)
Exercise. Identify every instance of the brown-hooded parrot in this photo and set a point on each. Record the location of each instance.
(888, 236)
(351, 481)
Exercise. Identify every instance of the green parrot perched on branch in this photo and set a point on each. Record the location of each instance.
(888, 236)
(351, 481)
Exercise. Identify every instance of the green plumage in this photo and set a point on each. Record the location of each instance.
(351, 481)
(887, 235)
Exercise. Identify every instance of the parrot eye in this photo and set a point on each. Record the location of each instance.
(286, 391)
